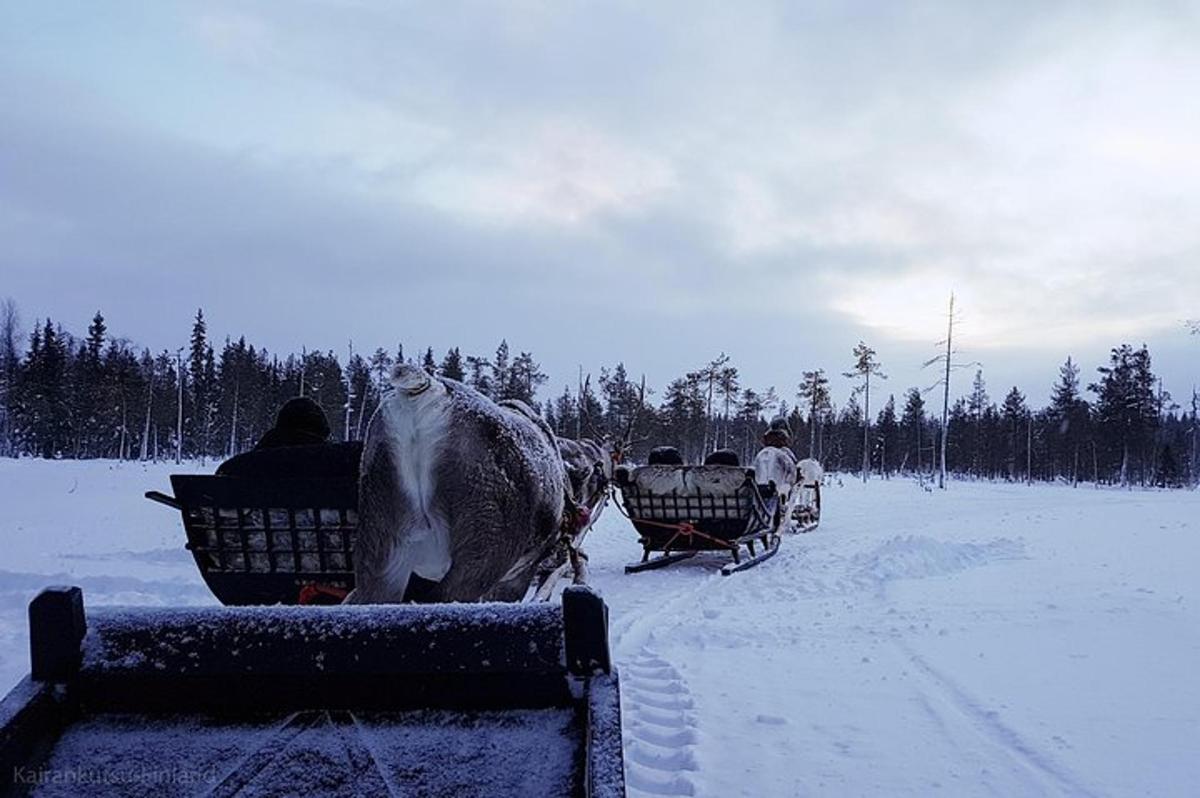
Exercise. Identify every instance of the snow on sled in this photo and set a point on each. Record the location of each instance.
(483, 699)
(283, 541)
(680, 511)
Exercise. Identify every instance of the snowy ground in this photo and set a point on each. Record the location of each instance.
(991, 640)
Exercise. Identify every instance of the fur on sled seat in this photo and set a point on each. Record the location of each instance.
(712, 480)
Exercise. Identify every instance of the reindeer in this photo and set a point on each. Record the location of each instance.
(776, 463)
(459, 497)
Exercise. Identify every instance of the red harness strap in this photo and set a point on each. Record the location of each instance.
(313, 593)
(686, 530)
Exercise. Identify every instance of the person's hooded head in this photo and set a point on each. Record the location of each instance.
(778, 434)
(303, 415)
(300, 422)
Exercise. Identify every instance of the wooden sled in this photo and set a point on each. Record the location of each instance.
(680, 511)
(806, 514)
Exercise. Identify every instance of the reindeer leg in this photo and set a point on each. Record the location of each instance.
(579, 569)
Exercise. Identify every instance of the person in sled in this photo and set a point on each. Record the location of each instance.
(297, 446)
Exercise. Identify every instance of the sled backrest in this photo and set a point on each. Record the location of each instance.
(689, 493)
(260, 541)
(500, 698)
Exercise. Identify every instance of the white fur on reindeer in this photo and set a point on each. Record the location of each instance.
(811, 472)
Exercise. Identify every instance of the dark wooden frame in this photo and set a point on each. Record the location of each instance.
(224, 664)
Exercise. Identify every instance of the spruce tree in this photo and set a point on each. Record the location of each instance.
(887, 437)
(500, 376)
(912, 423)
(814, 391)
(1016, 416)
(865, 366)
(452, 365)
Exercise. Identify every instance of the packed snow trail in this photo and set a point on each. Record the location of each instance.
(922, 642)
(987, 640)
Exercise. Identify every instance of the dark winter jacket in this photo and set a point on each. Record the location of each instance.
(297, 446)
(325, 461)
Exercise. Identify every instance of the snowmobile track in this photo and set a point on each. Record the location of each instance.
(660, 728)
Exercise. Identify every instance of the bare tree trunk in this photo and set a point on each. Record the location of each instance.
(145, 448)
(349, 394)
(867, 427)
(124, 429)
(179, 416)
(232, 449)
(362, 412)
(812, 428)
(1029, 451)
(946, 394)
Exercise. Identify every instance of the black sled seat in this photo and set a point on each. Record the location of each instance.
(269, 541)
(434, 700)
(680, 511)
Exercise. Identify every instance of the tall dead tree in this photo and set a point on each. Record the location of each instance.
(946, 359)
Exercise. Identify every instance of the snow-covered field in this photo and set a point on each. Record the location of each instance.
(990, 640)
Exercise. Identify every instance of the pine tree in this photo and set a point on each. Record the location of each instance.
(87, 391)
(10, 366)
(500, 375)
(196, 397)
(452, 365)
(750, 423)
(814, 391)
(1126, 410)
(478, 376)
(428, 363)
(1016, 416)
(977, 405)
(912, 423)
(864, 367)
(887, 437)
(727, 389)
(1071, 416)
(565, 413)
(525, 376)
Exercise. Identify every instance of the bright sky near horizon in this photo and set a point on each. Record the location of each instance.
(652, 183)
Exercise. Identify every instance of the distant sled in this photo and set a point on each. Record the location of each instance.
(806, 496)
(680, 511)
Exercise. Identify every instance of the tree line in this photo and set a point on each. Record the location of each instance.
(98, 396)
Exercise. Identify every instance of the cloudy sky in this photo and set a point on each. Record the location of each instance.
(651, 182)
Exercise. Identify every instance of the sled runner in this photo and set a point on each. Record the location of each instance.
(680, 511)
(482, 699)
(279, 541)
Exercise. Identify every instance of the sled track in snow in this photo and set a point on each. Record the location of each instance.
(1040, 772)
